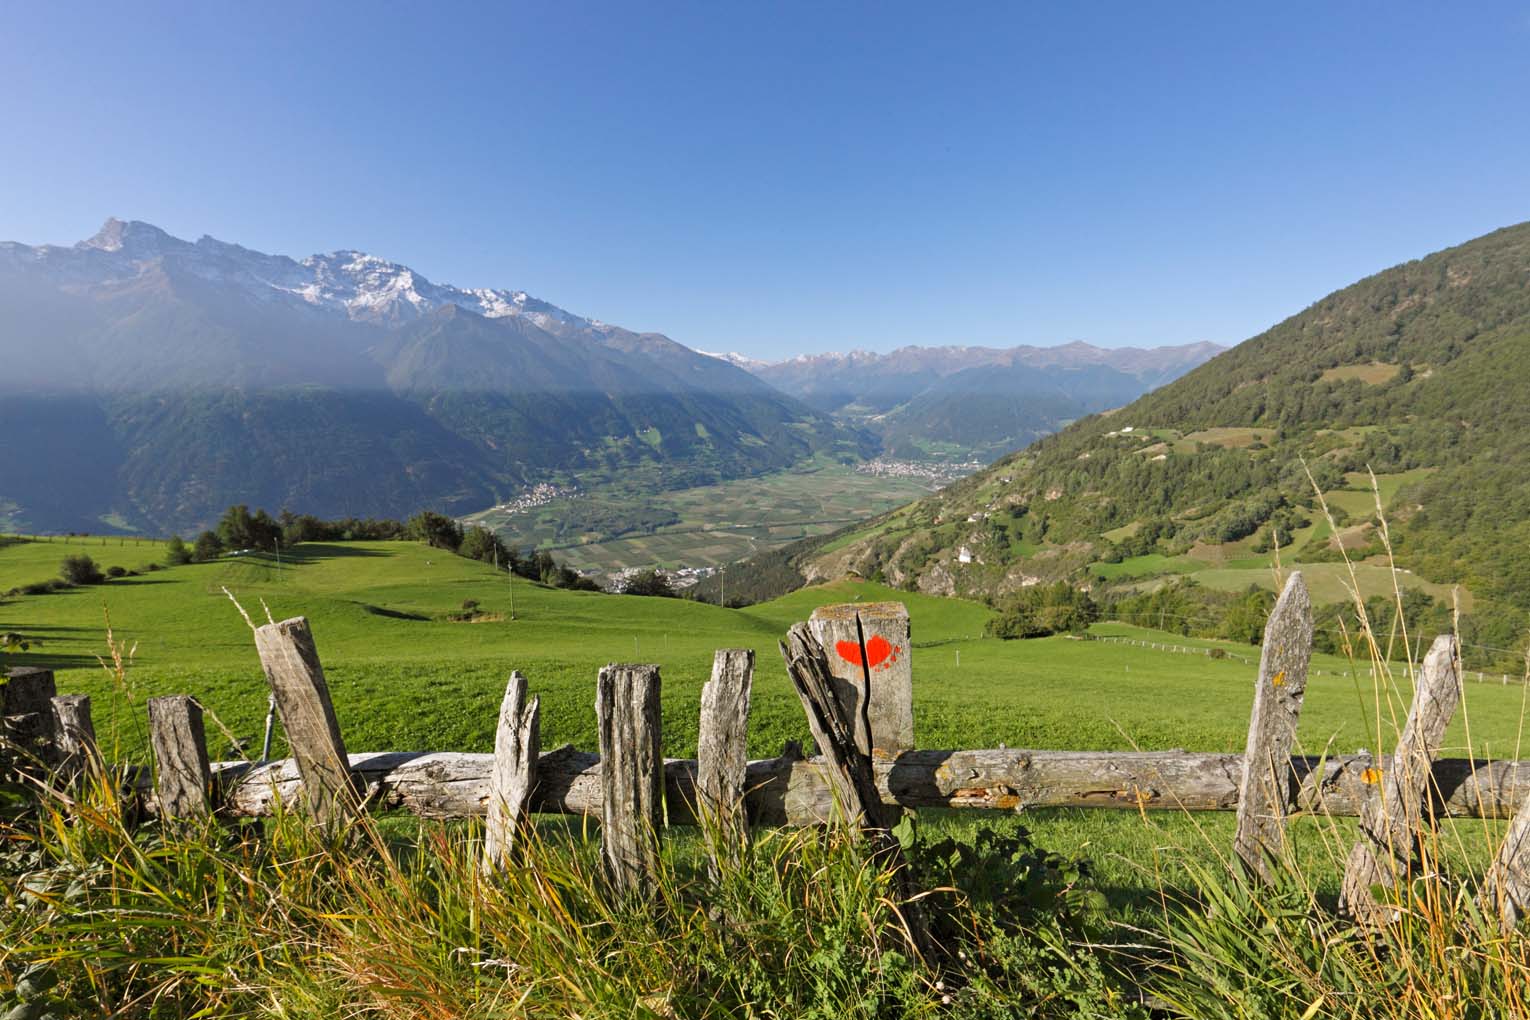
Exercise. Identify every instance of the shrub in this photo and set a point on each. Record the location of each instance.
(1041, 611)
(116, 571)
(176, 553)
(80, 569)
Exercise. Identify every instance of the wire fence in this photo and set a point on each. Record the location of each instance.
(1477, 676)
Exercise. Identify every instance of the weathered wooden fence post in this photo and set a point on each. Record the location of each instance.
(1506, 890)
(517, 745)
(183, 777)
(291, 662)
(26, 722)
(631, 773)
(75, 735)
(1390, 819)
(1268, 789)
(847, 765)
(889, 713)
(722, 754)
(847, 761)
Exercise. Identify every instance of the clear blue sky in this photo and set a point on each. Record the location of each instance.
(776, 178)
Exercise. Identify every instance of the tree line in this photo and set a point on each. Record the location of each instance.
(240, 529)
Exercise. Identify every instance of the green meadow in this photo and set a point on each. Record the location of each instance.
(405, 677)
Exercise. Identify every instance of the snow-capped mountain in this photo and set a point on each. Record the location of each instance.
(736, 359)
(364, 287)
(158, 380)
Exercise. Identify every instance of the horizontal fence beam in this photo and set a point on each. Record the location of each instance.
(793, 791)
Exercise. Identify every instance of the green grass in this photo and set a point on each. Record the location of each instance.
(1373, 372)
(403, 677)
(1231, 437)
(378, 612)
(1327, 581)
(1148, 565)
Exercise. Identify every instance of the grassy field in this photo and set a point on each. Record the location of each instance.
(379, 614)
(711, 525)
(404, 677)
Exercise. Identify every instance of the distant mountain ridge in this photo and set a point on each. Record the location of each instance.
(964, 402)
(148, 381)
(1416, 373)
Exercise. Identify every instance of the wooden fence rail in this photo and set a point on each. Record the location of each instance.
(789, 790)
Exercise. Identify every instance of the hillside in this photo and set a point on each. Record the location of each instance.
(150, 381)
(973, 403)
(1414, 373)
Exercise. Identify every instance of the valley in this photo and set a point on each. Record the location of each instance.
(607, 528)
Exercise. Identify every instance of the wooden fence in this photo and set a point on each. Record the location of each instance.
(851, 666)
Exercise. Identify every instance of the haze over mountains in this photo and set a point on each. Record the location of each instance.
(956, 402)
(150, 381)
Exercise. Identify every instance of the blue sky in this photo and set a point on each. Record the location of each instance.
(779, 178)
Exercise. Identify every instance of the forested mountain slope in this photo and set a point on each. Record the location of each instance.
(1417, 373)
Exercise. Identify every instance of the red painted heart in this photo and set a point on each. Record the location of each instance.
(877, 651)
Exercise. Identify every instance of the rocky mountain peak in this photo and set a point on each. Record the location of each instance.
(132, 237)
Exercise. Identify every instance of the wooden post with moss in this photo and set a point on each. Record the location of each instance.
(1268, 789)
(631, 774)
(888, 713)
(1391, 819)
(517, 746)
(722, 758)
(183, 777)
(291, 662)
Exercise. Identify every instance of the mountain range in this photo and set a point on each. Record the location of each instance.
(973, 403)
(150, 381)
(1414, 376)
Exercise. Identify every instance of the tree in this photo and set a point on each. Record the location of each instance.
(80, 569)
(240, 529)
(176, 553)
(479, 543)
(236, 528)
(1041, 611)
(208, 547)
(1244, 620)
(437, 530)
(650, 582)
